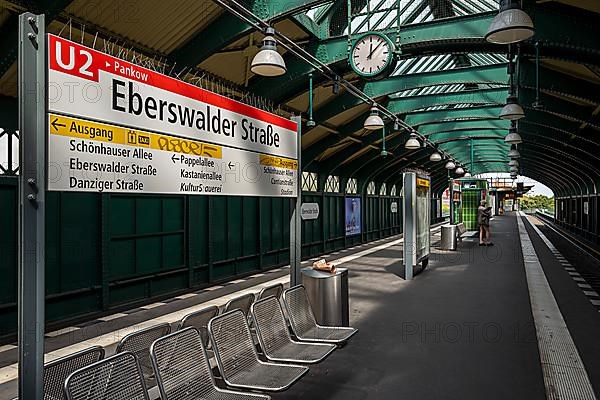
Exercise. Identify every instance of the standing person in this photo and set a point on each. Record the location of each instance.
(483, 219)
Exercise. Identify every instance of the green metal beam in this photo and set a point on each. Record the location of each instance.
(465, 33)
(403, 105)
(228, 28)
(489, 74)
(462, 125)
(427, 117)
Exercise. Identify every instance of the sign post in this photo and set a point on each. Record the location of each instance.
(296, 219)
(32, 186)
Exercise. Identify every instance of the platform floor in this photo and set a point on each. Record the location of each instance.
(462, 329)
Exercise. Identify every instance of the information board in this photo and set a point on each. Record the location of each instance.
(117, 127)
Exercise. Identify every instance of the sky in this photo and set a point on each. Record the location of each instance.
(538, 188)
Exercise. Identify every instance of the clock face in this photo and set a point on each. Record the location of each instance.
(371, 54)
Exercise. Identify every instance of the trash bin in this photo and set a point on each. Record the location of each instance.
(328, 295)
(449, 237)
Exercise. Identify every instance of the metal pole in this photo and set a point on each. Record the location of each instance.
(295, 217)
(32, 187)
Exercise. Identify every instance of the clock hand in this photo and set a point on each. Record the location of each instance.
(370, 52)
(373, 50)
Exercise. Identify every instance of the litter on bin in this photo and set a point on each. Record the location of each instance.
(323, 265)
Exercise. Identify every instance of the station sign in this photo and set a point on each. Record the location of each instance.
(309, 211)
(118, 127)
(394, 207)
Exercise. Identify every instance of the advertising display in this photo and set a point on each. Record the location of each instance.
(353, 217)
(117, 127)
(417, 220)
(446, 203)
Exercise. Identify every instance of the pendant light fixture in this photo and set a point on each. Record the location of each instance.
(514, 170)
(412, 143)
(459, 171)
(373, 121)
(513, 163)
(467, 174)
(435, 157)
(511, 25)
(513, 152)
(512, 110)
(384, 152)
(268, 62)
(513, 136)
(450, 165)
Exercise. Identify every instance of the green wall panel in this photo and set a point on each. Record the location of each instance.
(113, 252)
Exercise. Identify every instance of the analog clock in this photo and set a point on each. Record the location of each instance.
(372, 55)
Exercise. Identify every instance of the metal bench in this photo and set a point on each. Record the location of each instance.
(238, 360)
(199, 320)
(273, 290)
(115, 378)
(139, 344)
(57, 371)
(242, 303)
(303, 322)
(274, 336)
(183, 371)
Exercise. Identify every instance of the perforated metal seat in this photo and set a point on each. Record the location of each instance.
(273, 290)
(303, 322)
(199, 320)
(183, 372)
(242, 303)
(139, 344)
(274, 336)
(238, 360)
(115, 378)
(57, 371)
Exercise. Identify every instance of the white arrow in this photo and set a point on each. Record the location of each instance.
(107, 63)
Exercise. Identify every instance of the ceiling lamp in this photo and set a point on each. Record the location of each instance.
(514, 170)
(450, 165)
(460, 170)
(373, 121)
(513, 176)
(435, 157)
(513, 163)
(511, 25)
(512, 110)
(268, 62)
(513, 152)
(467, 174)
(513, 137)
(412, 143)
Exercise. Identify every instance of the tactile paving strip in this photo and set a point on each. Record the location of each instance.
(565, 376)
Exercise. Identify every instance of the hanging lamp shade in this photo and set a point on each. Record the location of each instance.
(460, 170)
(435, 157)
(513, 137)
(467, 174)
(513, 152)
(510, 25)
(450, 165)
(513, 163)
(412, 143)
(268, 62)
(373, 121)
(512, 111)
(514, 170)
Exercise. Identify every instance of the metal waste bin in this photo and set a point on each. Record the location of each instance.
(449, 237)
(328, 295)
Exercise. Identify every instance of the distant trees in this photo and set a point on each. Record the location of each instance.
(539, 201)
